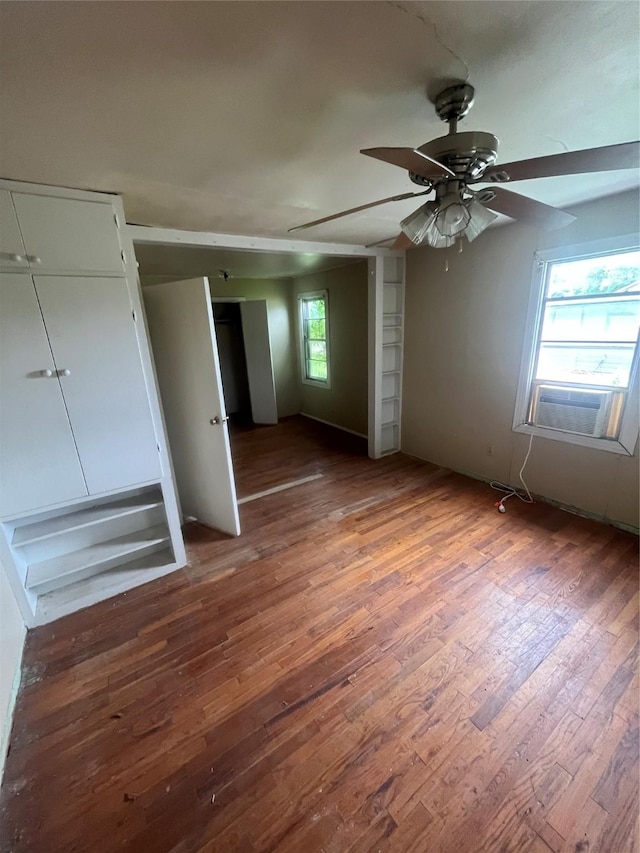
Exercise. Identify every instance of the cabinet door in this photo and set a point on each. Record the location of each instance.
(92, 333)
(12, 251)
(39, 463)
(66, 234)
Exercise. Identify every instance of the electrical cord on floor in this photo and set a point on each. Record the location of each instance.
(510, 490)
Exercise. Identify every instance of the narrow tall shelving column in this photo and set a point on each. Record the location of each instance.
(386, 327)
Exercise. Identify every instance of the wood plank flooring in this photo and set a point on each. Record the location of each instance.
(381, 662)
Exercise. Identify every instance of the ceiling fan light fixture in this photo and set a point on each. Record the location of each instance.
(417, 224)
(479, 219)
(453, 216)
(440, 223)
(437, 240)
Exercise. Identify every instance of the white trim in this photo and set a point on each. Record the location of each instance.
(335, 426)
(148, 234)
(282, 488)
(307, 380)
(168, 483)
(626, 443)
(98, 196)
(375, 334)
(7, 722)
(590, 249)
(574, 438)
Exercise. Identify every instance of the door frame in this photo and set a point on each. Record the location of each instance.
(376, 282)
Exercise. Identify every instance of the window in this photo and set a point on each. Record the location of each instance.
(314, 338)
(579, 377)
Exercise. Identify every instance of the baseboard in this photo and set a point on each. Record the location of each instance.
(574, 510)
(335, 426)
(7, 722)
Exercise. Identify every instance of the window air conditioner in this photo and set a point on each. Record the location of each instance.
(580, 411)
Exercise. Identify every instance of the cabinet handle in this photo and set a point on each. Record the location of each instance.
(12, 256)
(65, 372)
(46, 373)
(34, 259)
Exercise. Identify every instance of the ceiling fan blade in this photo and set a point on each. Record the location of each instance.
(410, 159)
(527, 209)
(357, 209)
(609, 158)
(380, 243)
(402, 242)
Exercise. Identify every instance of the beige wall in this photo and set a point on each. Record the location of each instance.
(345, 403)
(282, 330)
(463, 345)
(12, 634)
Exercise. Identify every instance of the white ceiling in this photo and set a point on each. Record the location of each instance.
(247, 118)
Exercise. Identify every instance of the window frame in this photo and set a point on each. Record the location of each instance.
(308, 296)
(626, 442)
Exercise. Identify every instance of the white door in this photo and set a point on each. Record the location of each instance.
(257, 348)
(39, 462)
(92, 332)
(183, 339)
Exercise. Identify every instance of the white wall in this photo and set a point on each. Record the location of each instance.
(12, 634)
(464, 336)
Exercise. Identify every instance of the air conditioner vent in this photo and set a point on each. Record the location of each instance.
(579, 411)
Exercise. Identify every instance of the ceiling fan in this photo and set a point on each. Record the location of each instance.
(451, 167)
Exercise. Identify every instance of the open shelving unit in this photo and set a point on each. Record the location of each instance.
(388, 281)
(62, 554)
(392, 341)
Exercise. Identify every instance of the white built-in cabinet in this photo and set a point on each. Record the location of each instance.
(87, 500)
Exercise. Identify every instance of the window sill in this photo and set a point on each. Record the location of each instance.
(317, 383)
(574, 438)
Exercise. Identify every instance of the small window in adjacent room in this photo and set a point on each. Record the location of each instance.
(579, 376)
(314, 337)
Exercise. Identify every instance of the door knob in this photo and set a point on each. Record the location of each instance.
(215, 421)
(46, 373)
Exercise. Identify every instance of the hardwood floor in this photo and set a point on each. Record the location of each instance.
(381, 662)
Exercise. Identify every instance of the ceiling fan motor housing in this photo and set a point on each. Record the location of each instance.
(466, 154)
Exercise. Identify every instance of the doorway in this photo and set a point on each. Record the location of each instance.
(233, 362)
(163, 256)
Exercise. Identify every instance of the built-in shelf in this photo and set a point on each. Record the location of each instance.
(61, 525)
(389, 367)
(390, 439)
(54, 573)
(390, 384)
(117, 580)
(392, 318)
(390, 413)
